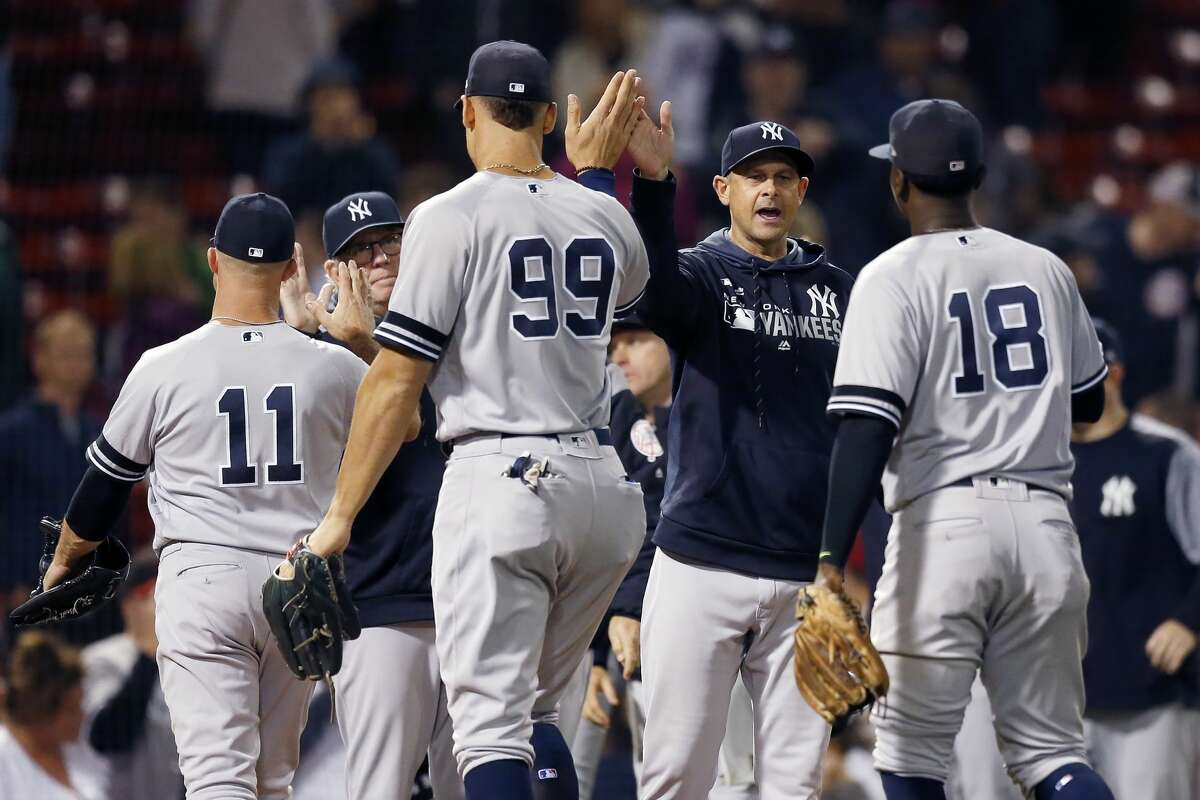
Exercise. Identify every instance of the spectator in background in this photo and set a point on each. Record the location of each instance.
(337, 155)
(130, 726)
(258, 53)
(12, 320)
(607, 36)
(40, 756)
(157, 272)
(42, 441)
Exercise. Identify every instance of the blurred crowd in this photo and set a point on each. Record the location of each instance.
(106, 202)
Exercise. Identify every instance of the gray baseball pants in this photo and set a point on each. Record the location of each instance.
(392, 712)
(236, 709)
(522, 576)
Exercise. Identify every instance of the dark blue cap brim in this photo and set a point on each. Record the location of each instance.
(357, 231)
(802, 160)
(883, 151)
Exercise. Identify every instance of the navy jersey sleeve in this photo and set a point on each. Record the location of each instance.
(674, 296)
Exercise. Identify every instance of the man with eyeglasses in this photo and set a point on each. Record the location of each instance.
(388, 726)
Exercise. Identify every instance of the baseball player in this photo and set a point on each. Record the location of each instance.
(388, 729)
(754, 319)
(1137, 502)
(974, 352)
(239, 427)
(507, 288)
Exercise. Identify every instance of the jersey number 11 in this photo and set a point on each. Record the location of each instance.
(281, 402)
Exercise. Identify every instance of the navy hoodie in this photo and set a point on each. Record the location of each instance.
(755, 344)
(389, 560)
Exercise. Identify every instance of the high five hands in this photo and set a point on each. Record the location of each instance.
(619, 122)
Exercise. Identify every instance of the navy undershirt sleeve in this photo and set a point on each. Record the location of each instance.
(860, 453)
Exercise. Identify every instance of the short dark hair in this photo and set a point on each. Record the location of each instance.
(515, 115)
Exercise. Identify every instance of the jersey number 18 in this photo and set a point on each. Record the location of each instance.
(1014, 320)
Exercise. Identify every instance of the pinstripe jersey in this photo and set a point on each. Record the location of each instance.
(971, 343)
(240, 430)
(510, 285)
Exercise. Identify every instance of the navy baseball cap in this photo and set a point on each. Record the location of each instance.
(936, 143)
(257, 228)
(630, 322)
(762, 137)
(1110, 342)
(508, 69)
(355, 213)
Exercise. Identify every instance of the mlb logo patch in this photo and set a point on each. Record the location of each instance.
(519, 88)
(256, 252)
(547, 774)
(252, 336)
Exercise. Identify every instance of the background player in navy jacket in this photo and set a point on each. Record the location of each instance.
(1137, 507)
(754, 318)
(387, 726)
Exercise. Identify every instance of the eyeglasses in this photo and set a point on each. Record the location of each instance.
(363, 252)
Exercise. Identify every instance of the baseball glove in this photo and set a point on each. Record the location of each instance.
(79, 595)
(837, 668)
(308, 606)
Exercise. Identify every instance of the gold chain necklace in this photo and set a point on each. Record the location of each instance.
(518, 170)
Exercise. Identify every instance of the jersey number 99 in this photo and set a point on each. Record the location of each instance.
(589, 266)
(1014, 320)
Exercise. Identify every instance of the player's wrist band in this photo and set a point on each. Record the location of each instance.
(598, 179)
(589, 167)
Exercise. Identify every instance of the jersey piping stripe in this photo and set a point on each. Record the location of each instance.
(417, 329)
(406, 335)
(108, 468)
(843, 406)
(400, 344)
(627, 309)
(114, 456)
(1090, 382)
(850, 390)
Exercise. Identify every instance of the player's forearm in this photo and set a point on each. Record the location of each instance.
(386, 401)
(860, 453)
(96, 505)
(72, 548)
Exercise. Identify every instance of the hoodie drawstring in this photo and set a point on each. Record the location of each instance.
(787, 281)
(760, 402)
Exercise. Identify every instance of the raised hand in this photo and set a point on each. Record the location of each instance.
(599, 140)
(294, 295)
(352, 320)
(653, 146)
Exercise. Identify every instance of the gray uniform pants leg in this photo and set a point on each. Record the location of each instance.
(236, 709)
(392, 711)
(978, 771)
(695, 626)
(521, 581)
(1150, 755)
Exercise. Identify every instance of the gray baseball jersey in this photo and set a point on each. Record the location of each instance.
(971, 343)
(510, 285)
(241, 431)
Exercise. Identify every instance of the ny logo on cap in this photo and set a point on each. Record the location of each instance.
(256, 252)
(358, 209)
(517, 87)
(772, 130)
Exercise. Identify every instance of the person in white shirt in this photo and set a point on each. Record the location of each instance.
(128, 724)
(40, 753)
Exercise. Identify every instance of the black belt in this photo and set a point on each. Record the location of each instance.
(970, 482)
(603, 437)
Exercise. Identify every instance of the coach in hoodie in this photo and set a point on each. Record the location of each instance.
(754, 318)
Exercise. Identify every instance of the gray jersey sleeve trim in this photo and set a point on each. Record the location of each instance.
(1183, 485)
(863, 405)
